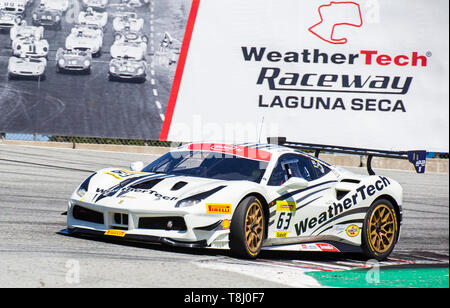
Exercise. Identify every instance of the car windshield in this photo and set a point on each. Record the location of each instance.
(209, 165)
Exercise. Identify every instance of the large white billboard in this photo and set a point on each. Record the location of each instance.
(368, 73)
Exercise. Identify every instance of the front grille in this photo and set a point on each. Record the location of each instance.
(162, 223)
(85, 214)
(121, 219)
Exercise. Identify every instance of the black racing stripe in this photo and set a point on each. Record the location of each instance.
(288, 195)
(116, 188)
(351, 212)
(307, 203)
(301, 199)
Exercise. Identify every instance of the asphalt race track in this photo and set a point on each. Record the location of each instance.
(35, 184)
(90, 105)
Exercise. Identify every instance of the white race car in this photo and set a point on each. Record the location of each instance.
(30, 46)
(136, 3)
(14, 6)
(127, 21)
(91, 17)
(98, 5)
(9, 20)
(59, 5)
(23, 30)
(26, 67)
(84, 36)
(244, 198)
(130, 50)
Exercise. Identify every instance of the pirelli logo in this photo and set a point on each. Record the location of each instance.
(119, 233)
(288, 206)
(218, 208)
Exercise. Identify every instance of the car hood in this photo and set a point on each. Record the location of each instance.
(108, 184)
(81, 41)
(20, 64)
(126, 50)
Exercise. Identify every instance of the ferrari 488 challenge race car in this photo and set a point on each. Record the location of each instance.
(245, 198)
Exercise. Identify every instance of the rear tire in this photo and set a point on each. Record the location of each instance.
(247, 229)
(380, 230)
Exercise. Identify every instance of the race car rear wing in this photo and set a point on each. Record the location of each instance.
(417, 158)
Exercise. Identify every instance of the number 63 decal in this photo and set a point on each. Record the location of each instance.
(284, 220)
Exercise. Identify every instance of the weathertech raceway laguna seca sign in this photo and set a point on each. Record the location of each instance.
(370, 73)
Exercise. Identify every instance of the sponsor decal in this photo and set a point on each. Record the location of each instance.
(119, 233)
(281, 234)
(352, 230)
(285, 205)
(218, 208)
(307, 89)
(327, 247)
(122, 173)
(318, 247)
(337, 208)
(112, 191)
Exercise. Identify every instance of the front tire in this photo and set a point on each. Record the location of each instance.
(247, 229)
(380, 230)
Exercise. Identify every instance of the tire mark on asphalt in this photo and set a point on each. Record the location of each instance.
(22, 100)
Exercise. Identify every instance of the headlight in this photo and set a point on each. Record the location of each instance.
(82, 190)
(186, 203)
(61, 62)
(197, 198)
(87, 62)
(112, 69)
(140, 71)
(57, 17)
(35, 16)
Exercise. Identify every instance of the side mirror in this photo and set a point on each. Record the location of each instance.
(295, 183)
(136, 166)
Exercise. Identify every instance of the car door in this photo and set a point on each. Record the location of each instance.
(296, 206)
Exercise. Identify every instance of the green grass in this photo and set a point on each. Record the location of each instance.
(385, 278)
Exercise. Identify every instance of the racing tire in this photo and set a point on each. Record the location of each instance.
(247, 229)
(380, 230)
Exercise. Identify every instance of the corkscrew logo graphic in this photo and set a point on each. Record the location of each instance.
(336, 14)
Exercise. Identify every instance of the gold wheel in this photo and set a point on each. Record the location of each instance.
(381, 229)
(254, 226)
